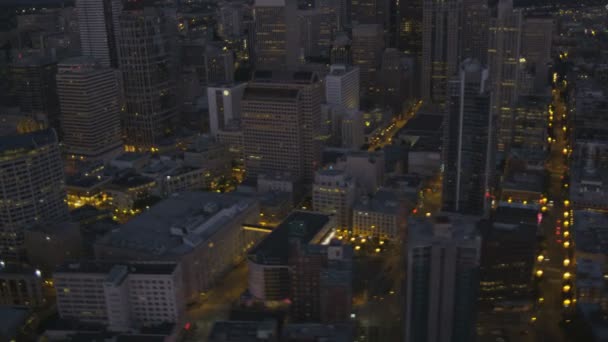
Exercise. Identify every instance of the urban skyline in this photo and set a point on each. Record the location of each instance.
(304, 170)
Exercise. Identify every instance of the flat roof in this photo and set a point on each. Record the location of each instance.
(423, 122)
(242, 331)
(107, 267)
(304, 226)
(179, 223)
(262, 93)
(462, 227)
(29, 141)
(591, 231)
(383, 201)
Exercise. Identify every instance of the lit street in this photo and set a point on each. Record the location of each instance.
(550, 310)
(216, 304)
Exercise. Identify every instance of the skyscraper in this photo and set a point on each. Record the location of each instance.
(33, 187)
(366, 48)
(442, 272)
(90, 109)
(34, 86)
(467, 142)
(147, 68)
(536, 43)
(475, 21)
(409, 39)
(440, 47)
(342, 86)
(281, 114)
(219, 65)
(224, 106)
(98, 24)
(276, 34)
(369, 12)
(503, 60)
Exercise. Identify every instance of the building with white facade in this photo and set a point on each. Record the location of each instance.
(381, 216)
(224, 105)
(334, 193)
(366, 168)
(122, 296)
(342, 86)
(200, 230)
(99, 29)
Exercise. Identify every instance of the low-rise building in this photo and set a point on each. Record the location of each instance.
(244, 331)
(121, 296)
(268, 262)
(334, 193)
(381, 216)
(589, 176)
(200, 230)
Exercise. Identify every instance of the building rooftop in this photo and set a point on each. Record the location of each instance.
(261, 93)
(383, 201)
(318, 332)
(454, 226)
(131, 180)
(591, 231)
(12, 319)
(516, 213)
(21, 143)
(243, 331)
(422, 123)
(113, 269)
(130, 156)
(527, 181)
(287, 76)
(304, 226)
(16, 268)
(178, 224)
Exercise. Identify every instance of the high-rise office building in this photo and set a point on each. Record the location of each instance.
(536, 43)
(224, 106)
(391, 80)
(475, 22)
(410, 27)
(148, 76)
(369, 12)
(230, 20)
(467, 142)
(34, 86)
(219, 65)
(341, 49)
(334, 193)
(342, 87)
(98, 24)
(530, 126)
(440, 47)
(34, 188)
(503, 59)
(90, 109)
(281, 114)
(367, 46)
(276, 35)
(332, 20)
(442, 279)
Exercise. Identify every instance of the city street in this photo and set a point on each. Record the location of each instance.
(551, 307)
(385, 136)
(216, 304)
